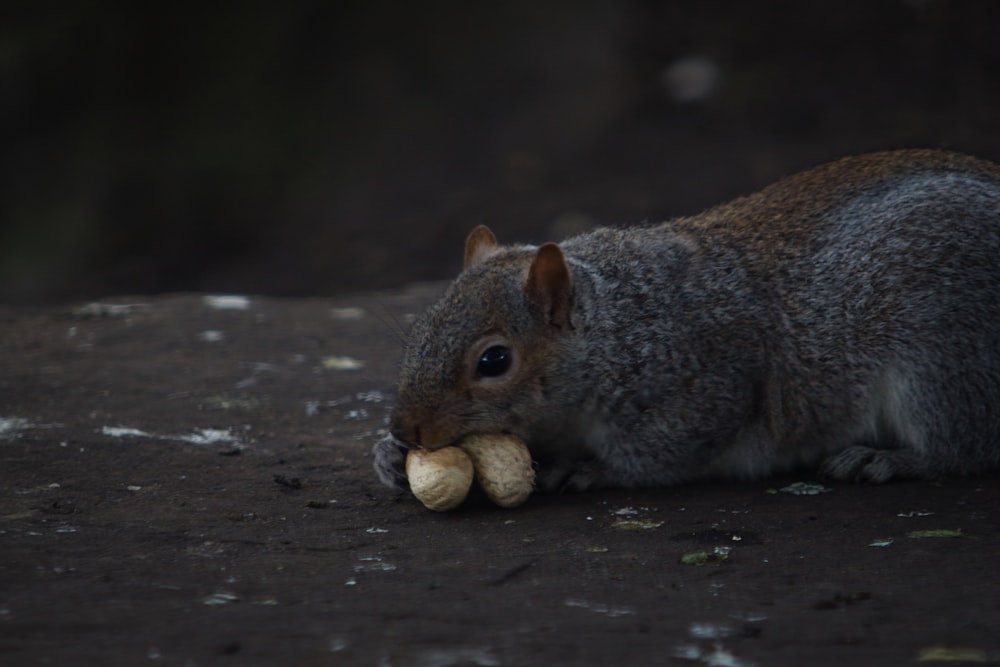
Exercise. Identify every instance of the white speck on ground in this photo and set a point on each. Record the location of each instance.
(11, 426)
(125, 432)
(227, 302)
(97, 309)
(212, 336)
(348, 313)
(599, 608)
(220, 598)
(208, 436)
(342, 363)
(200, 436)
(806, 489)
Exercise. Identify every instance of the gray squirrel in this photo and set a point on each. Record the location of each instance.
(847, 317)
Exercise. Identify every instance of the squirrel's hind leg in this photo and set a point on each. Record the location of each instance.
(867, 464)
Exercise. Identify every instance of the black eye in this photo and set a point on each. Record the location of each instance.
(494, 361)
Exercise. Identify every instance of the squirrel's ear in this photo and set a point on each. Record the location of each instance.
(478, 245)
(549, 289)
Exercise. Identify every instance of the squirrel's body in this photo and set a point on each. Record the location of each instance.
(849, 316)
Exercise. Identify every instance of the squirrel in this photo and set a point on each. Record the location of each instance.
(845, 319)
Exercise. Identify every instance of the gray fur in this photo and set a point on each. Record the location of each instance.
(847, 318)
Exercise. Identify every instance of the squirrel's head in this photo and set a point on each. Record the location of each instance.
(482, 359)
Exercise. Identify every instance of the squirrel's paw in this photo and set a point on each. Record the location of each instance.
(568, 476)
(390, 463)
(864, 464)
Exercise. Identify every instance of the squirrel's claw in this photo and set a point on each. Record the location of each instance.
(390, 463)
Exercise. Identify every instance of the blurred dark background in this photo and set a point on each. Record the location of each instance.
(312, 148)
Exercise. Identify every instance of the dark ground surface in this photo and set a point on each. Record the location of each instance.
(171, 496)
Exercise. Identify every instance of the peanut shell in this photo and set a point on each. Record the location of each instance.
(440, 479)
(503, 467)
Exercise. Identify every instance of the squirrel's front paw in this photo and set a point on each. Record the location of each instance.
(570, 476)
(390, 463)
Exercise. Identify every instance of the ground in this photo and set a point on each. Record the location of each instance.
(187, 481)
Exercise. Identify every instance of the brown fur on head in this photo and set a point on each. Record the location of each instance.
(477, 361)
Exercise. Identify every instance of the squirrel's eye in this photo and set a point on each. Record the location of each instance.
(494, 361)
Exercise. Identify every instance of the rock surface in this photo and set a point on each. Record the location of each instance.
(187, 480)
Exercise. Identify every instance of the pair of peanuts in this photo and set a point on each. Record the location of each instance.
(500, 463)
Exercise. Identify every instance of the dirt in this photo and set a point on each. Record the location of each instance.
(187, 481)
